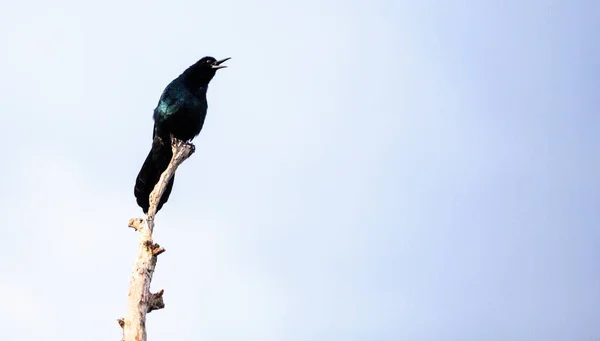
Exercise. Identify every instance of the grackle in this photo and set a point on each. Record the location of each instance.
(180, 112)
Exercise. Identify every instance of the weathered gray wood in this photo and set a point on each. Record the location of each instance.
(140, 300)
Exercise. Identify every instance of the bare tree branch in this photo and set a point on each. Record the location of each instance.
(139, 299)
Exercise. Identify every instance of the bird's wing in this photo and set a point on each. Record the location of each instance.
(170, 102)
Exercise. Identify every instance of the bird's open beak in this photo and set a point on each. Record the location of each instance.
(217, 64)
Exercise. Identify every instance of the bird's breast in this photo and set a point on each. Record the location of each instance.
(188, 122)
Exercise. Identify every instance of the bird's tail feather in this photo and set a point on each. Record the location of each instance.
(155, 164)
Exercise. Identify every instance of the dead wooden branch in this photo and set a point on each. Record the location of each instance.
(139, 299)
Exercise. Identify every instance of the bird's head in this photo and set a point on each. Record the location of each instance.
(204, 70)
(212, 64)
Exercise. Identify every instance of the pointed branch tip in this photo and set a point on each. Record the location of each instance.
(157, 251)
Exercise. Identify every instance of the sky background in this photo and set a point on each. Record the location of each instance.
(373, 170)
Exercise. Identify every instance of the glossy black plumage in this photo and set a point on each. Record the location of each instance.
(180, 112)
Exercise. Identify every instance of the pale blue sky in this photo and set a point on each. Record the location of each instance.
(375, 170)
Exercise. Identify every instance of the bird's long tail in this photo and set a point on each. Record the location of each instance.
(156, 163)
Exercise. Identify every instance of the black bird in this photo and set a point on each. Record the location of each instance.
(180, 112)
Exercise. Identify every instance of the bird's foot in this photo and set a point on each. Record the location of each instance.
(191, 146)
(185, 147)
